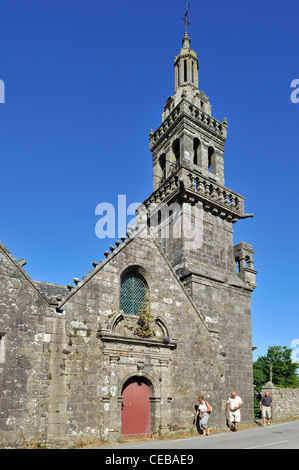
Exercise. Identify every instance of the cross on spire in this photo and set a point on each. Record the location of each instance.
(185, 19)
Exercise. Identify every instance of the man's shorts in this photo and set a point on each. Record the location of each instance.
(266, 412)
(234, 416)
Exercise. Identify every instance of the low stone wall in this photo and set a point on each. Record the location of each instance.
(285, 401)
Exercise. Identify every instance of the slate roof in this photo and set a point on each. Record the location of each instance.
(51, 290)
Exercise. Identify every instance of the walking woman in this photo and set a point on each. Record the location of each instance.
(202, 413)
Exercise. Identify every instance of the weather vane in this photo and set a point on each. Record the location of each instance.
(185, 19)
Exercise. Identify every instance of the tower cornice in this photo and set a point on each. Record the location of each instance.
(186, 53)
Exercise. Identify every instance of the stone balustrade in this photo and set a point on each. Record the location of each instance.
(212, 123)
(217, 193)
(210, 193)
(184, 108)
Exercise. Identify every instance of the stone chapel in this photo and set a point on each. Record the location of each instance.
(164, 317)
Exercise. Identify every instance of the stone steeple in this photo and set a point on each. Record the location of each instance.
(188, 168)
(189, 136)
(186, 67)
(188, 171)
(186, 79)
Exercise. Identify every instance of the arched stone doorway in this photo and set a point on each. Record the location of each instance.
(136, 407)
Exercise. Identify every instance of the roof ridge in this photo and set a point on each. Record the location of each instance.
(114, 250)
(49, 283)
(19, 266)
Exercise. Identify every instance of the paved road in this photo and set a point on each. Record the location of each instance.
(277, 436)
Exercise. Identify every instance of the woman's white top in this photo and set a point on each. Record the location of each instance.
(202, 407)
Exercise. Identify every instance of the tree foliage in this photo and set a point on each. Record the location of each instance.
(284, 371)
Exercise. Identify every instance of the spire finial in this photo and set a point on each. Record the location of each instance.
(185, 19)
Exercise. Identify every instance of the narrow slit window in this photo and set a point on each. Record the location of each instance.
(176, 151)
(185, 70)
(162, 162)
(210, 159)
(196, 144)
(2, 347)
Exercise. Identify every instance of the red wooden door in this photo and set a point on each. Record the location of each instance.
(135, 408)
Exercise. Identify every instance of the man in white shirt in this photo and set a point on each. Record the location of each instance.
(234, 403)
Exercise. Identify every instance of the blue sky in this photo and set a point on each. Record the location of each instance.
(85, 81)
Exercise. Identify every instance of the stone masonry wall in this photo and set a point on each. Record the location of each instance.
(285, 401)
(25, 327)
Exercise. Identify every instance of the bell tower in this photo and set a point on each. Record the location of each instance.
(191, 213)
(189, 136)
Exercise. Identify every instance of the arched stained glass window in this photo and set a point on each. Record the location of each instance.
(132, 293)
